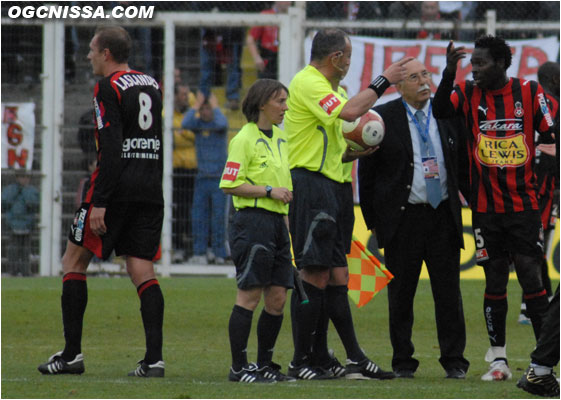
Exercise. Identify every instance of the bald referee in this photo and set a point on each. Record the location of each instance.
(321, 210)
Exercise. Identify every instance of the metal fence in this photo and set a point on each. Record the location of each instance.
(44, 62)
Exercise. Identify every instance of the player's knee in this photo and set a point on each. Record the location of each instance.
(528, 270)
(496, 275)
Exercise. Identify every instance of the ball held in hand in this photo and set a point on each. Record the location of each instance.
(364, 132)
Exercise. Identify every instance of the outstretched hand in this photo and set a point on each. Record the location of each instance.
(351, 155)
(397, 71)
(453, 55)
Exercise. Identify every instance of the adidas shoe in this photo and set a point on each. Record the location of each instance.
(145, 370)
(498, 371)
(542, 385)
(309, 373)
(366, 369)
(56, 365)
(272, 371)
(335, 366)
(248, 374)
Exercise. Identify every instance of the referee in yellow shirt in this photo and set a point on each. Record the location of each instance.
(321, 212)
(258, 177)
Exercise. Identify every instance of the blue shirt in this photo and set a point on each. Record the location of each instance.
(210, 142)
(418, 193)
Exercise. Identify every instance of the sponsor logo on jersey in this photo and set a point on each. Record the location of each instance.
(481, 254)
(98, 115)
(231, 171)
(329, 103)
(129, 80)
(147, 148)
(510, 151)
(501, 125)
(545, 109)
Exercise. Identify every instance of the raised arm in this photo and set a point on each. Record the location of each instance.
(442, 106)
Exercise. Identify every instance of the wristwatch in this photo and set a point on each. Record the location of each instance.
(268, 189)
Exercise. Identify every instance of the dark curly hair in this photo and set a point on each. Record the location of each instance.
(498, 48)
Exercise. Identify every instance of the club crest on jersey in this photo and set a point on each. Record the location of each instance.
(329, 103)
(481, 255)
(510, 151)
(231, 171)
(518, 110)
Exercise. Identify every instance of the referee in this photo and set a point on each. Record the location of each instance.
(258, 177)
(322, 209)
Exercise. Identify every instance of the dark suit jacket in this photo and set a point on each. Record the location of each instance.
(385, 177)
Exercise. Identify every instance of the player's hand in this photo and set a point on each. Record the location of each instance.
(282, 194)
(548, 149)
(397, 72)
(97, 221)
(351, 155)
(453, 55)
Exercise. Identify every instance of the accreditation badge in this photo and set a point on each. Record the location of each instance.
(430, 168)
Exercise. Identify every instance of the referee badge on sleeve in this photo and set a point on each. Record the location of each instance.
(231, 171)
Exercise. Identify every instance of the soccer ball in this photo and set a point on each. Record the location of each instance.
(366, 131)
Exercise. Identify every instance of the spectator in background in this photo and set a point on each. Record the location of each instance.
(263, 43)
(209, 203)
(184, 171)
(430, 13)
(404, 9)
(20, 205)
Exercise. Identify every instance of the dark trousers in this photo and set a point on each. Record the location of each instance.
(430, 235)
(546, 352)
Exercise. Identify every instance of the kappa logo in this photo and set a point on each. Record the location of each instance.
(231, 171)
(484, 110)
(329, 103)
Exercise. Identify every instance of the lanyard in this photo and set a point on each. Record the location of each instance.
(424, 135)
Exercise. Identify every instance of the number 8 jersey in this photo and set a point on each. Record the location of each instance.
(128, 121)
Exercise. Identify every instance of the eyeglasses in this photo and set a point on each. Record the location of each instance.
(416, 77)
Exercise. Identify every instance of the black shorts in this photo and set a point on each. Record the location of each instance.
(500, 235)
(348, 220)
(260, 247)
(133, 229)
(319, 220)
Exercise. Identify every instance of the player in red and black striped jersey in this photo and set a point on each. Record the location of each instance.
(501, 114)
(123, 208)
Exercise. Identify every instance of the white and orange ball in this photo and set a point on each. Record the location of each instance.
(364, 132)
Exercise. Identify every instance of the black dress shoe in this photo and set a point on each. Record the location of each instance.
(455, 373)
(404, 373)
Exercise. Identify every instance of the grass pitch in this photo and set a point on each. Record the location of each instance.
(196, 349)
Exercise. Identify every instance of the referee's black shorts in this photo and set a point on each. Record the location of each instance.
(320, 216)
(133, 229)
(260, 247)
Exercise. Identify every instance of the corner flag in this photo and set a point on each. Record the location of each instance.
(367, 276)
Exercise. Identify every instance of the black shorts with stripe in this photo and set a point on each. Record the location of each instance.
(133, 229)
(498, 235)
(260, 247)
(321, 215)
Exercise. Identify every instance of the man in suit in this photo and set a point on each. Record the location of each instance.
(409, 199)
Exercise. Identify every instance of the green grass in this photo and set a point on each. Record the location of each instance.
(196, 348)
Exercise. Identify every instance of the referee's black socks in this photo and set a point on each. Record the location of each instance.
(340, 314)
(73, 303)
(268, 328)
(152, 311)
(304, 321)
(238, 331)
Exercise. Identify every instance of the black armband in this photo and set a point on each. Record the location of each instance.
(379, 85)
